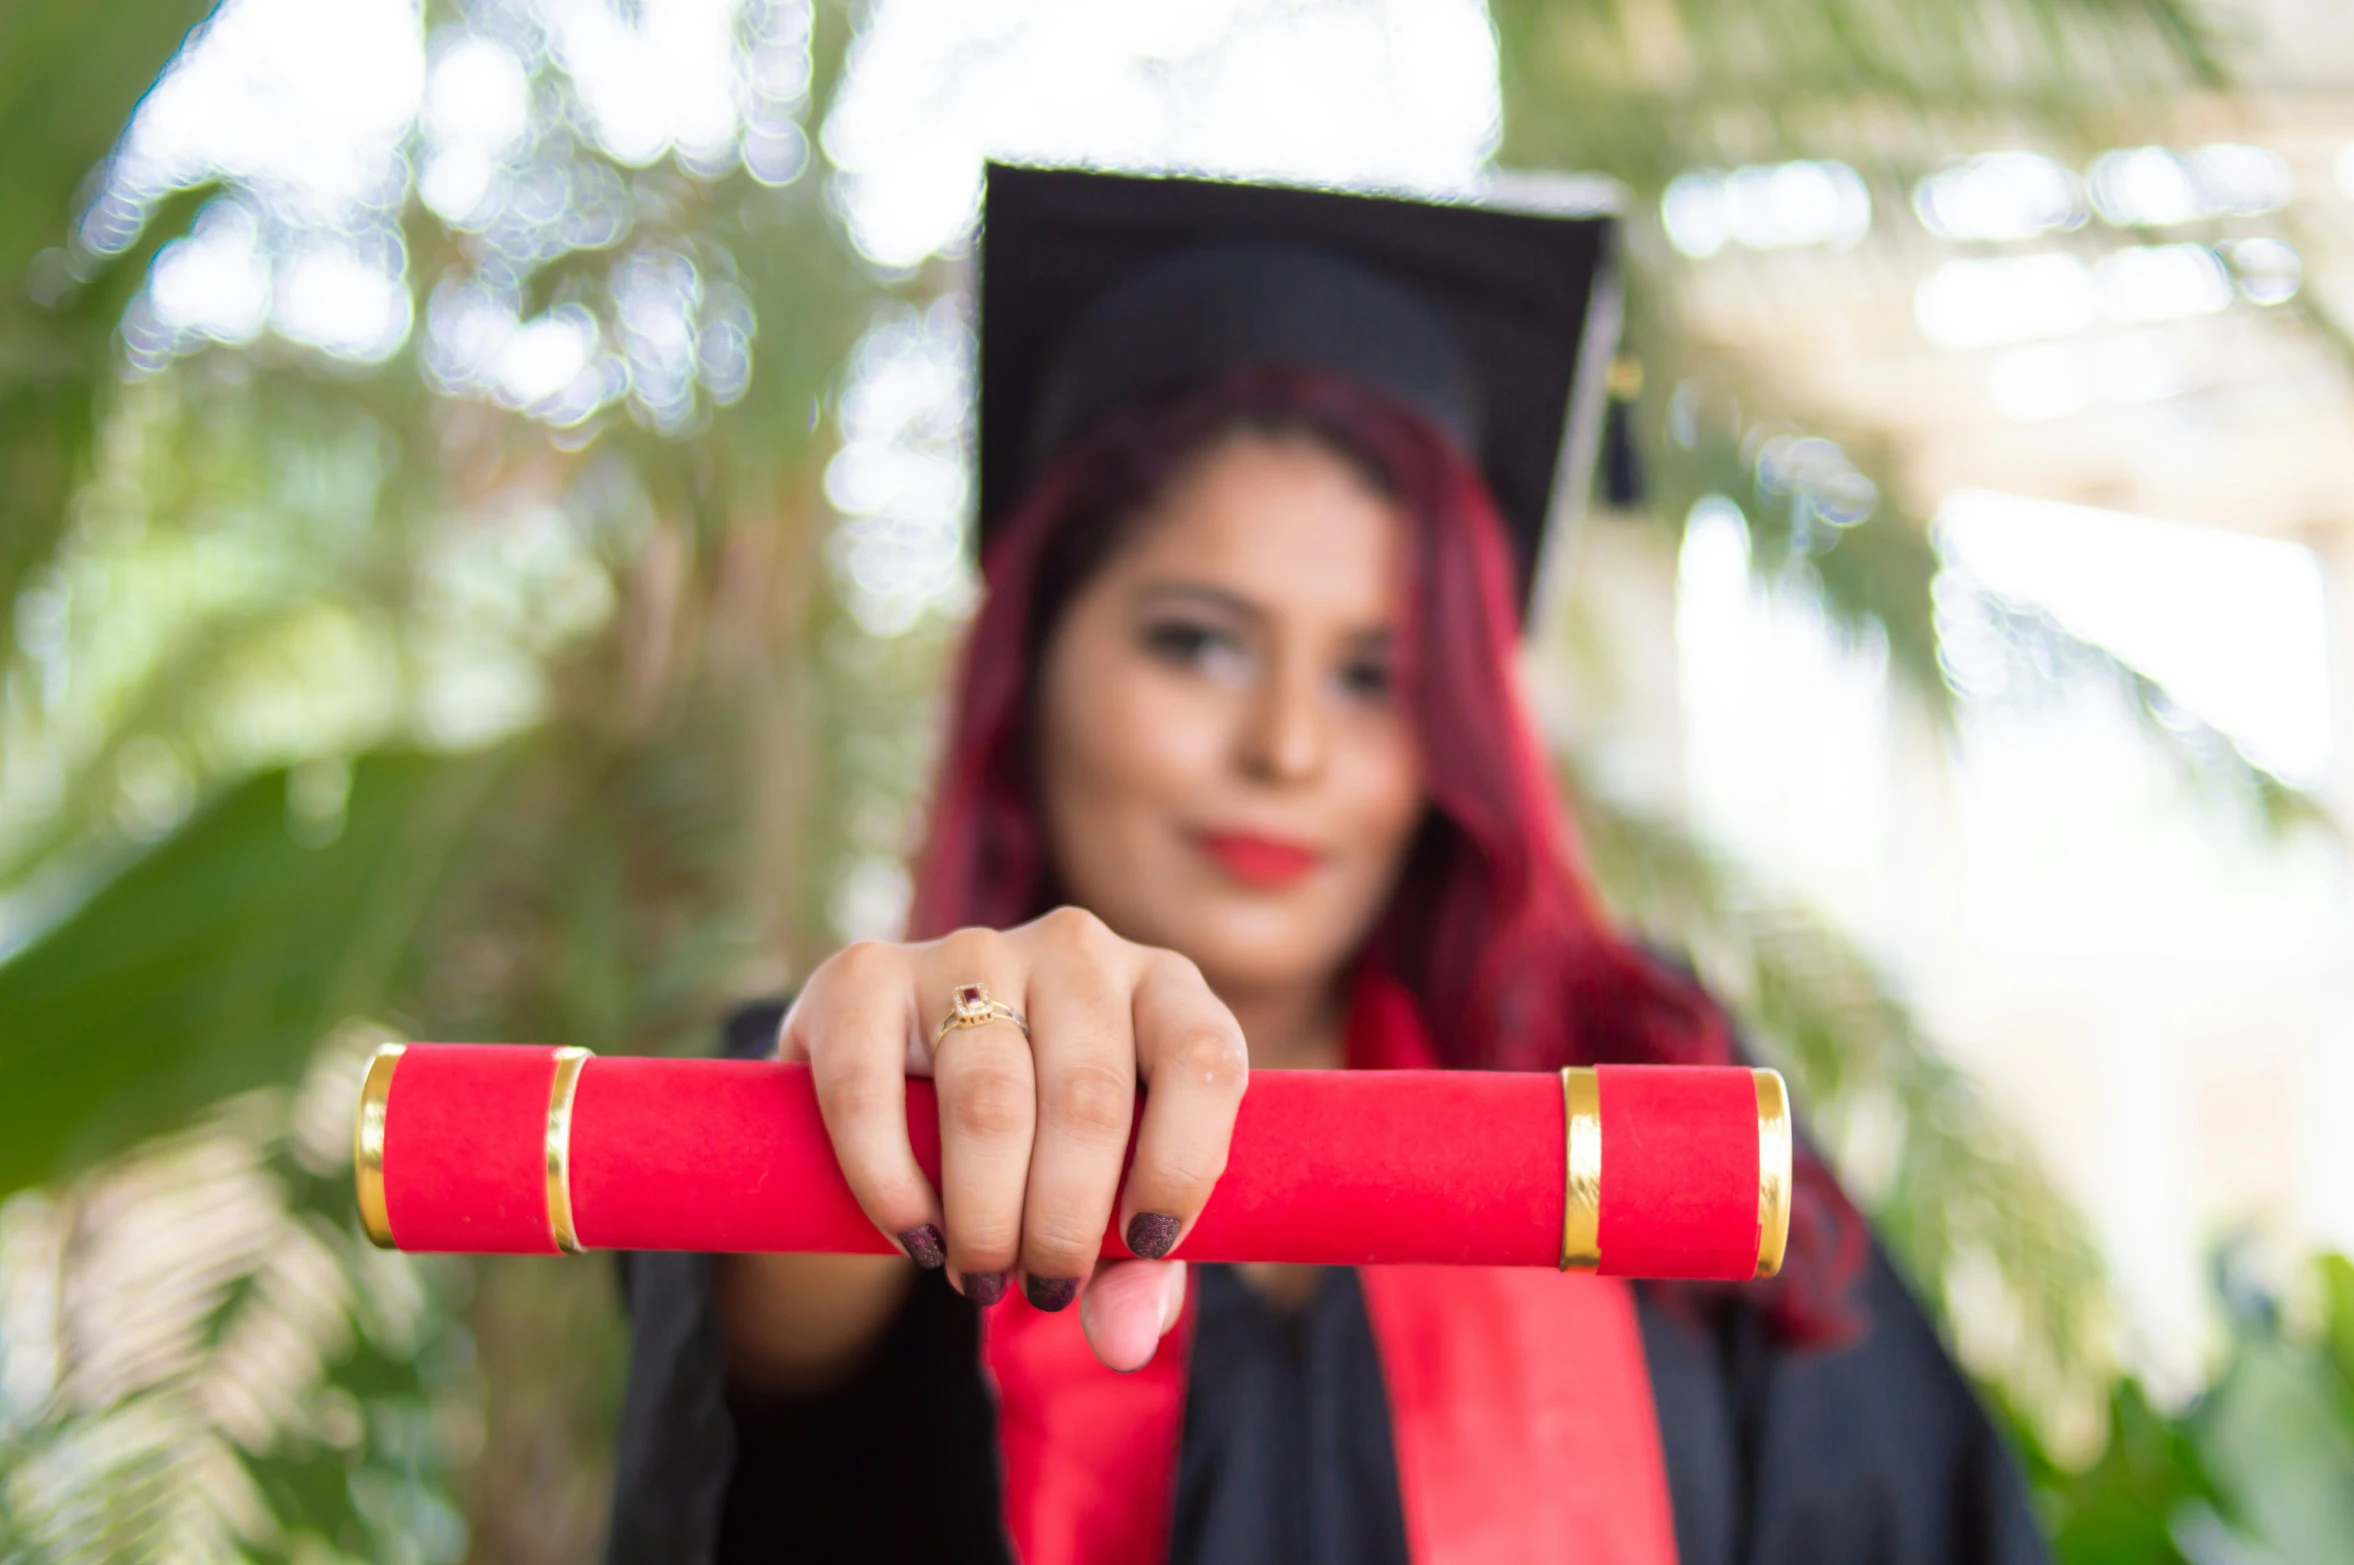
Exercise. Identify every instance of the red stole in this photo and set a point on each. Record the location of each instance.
(1520, 1406)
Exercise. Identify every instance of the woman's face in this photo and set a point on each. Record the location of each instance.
(1226, 765)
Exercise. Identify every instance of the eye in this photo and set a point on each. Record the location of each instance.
(1368, 678)
(1197, 645)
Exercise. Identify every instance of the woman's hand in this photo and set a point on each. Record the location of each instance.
(1032, 1130)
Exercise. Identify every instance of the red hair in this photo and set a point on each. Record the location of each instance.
(1494, 927)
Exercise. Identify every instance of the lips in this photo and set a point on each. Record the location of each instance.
(1258, 861)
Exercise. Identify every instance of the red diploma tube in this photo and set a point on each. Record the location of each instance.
(1626, 1170)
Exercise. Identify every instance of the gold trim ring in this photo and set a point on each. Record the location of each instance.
(367, 1158)
(1581, 1212)
(1773, 1171)
(561, 1091)
(969, 1005)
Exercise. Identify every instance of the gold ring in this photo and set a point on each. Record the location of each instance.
(368, 1146)
(1773, 1171)
(1581, 1212)
(563, 1087)
(970, 1006)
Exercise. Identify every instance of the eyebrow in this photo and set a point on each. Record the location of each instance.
(1207, 596)
(1154, 594)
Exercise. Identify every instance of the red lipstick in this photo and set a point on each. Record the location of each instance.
(1258, 861)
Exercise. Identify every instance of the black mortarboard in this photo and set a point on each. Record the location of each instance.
(1495, 319)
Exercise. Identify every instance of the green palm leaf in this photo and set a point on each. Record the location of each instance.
(217, 961)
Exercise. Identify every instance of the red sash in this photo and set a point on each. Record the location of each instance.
(1520, 1406)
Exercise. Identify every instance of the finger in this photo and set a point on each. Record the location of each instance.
(1190, 1051)
(1129, 1307)
(988, 1108)
(851, 1024)
(1085, 1055)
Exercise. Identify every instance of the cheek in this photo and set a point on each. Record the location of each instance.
(1380, 789)
(1126, 745)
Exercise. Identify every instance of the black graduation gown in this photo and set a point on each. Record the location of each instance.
(1875, 1453)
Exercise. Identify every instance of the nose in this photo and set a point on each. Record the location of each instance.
(1285, 741)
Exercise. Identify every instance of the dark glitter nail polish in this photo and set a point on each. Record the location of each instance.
(1051, 1293)
(984, 1288)
(1152, 1234)
(924, 1246)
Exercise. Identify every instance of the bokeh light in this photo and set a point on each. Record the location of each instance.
(901, 479)
(2269, 271)
(2001, 196)
(1767, 207)
(2154, 187)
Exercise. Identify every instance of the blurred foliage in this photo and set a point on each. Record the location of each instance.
(1949, 1184)
(341, 691)
(238, 1374)
(62, 104)
(349, 698)
(222, 957)
(2259, 1469)
(1645, 89)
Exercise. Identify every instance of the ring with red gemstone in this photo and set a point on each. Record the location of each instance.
(969, 1005)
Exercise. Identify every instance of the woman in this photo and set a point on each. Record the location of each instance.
(1237, 780)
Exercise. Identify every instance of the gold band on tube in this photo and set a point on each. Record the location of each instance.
(367, 1156)
(561, 1092)
(1581, 1214)
(1773, 1171)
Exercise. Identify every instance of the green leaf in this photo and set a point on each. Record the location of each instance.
(2337, 1283)
(67, 90)
(217, 961)
(2117, 1511)
(2279, 1452)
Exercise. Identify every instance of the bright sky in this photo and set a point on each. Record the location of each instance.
(1382, 92)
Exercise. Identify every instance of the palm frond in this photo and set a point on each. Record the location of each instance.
(1644, 89)
(1881, 578)
(214, 1334)
(214, 963)
(2050, 659)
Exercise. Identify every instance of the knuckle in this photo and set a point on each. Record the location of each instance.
(1204, 1055)
(972, 947)
(1079, 932)
(1061, 1237)
(860, 964)
(981, 1244)
(858, 1093)
(989, 1103)
(1187, 1179)
(898, 1197)
(1091, 1101)
(1180, 964)
(1175, 968)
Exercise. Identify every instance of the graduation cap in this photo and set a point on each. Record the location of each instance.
(1494, 319)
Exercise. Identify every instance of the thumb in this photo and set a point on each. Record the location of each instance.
(1128, 1307)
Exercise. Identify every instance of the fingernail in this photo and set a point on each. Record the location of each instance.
(924, 1246)
(984, 1288)
(1051, 1293)
(1152, 1234)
